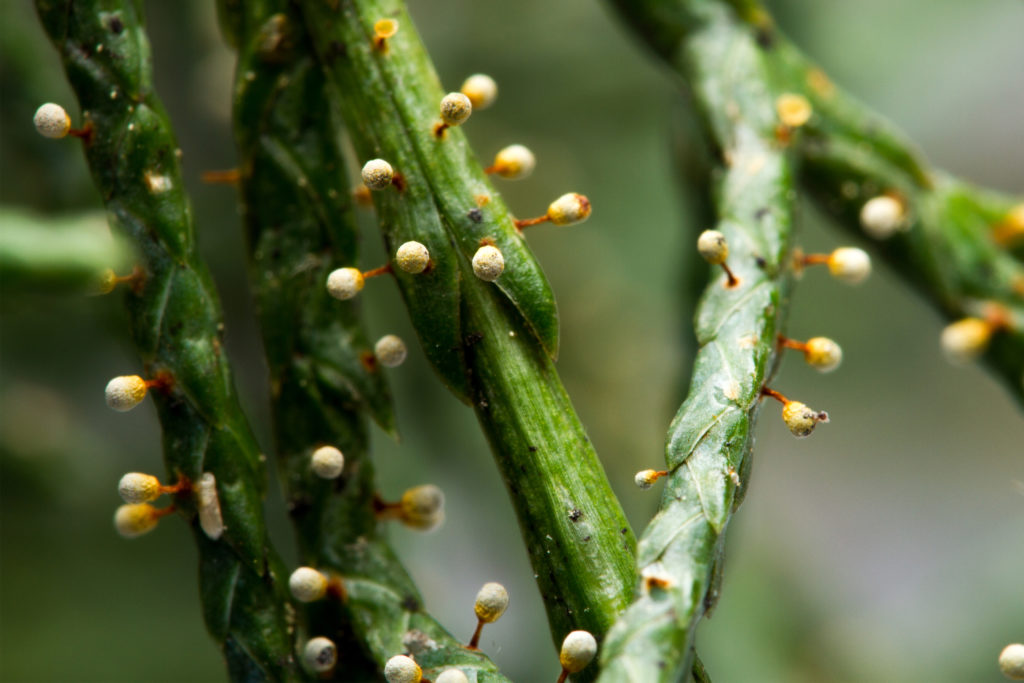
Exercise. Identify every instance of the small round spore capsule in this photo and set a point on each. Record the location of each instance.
(452, 676)
(645, 478)
(106, 282)
(125, 392)
(823, 354)
(966, 339)
(135, 520)
(455, 108)
(712, 247)
(491, 602)
(488, 263)
(882, 216)
(1011, 661)
(402, 669)
(327, 462)
(423, 507)
(377, 174)
(320, 654)
(578, 650)
(568, 209)
(412, 257)
(390, 351)
(514, 162)
(307, 584)
(481, 90)
(800, 419)
(345, 283)
(385, 28)
(849, 264)
(794, 110)
(52, 121)
(136, 487)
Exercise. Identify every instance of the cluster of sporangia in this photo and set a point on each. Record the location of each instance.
(514, 162)
(137, 516)
(422, 507)
(881, 217)
(320, 655)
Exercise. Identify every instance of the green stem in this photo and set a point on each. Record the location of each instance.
(176, 325)
(491, 343)
(710, 440)
(573, 528)
(300, 225)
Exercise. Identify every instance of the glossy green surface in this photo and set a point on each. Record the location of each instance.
(176, 327)
(492, 344)
(710, 440)
(297, 210)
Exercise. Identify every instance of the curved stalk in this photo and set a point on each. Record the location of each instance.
(492, 344)
(300, 226)
(176, 325)
(710, 440)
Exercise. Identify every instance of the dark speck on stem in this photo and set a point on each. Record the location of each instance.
(765, 38)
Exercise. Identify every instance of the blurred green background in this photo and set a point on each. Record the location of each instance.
(890, 546)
